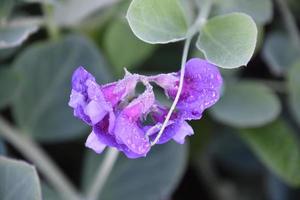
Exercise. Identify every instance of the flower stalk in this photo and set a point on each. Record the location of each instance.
(201, 19)
(103, 173)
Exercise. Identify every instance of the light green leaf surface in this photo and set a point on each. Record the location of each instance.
(12, 36)
(72, 12)
(153, 177)
(260, 10)
(247, 104)
(41, 108)
(279, 52)
(277, 147)
(229, 40)
(123, 48)
(157, 21)
(19, 180)
(9, 84)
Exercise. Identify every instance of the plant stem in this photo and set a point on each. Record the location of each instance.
(201, 19)
(32, 151)
(102, 174)
(290, 22)
(52, 29)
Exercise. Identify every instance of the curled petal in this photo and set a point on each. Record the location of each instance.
(87, 98)
(127, 128)
(94, 143)
(183, 130)
(115, 92)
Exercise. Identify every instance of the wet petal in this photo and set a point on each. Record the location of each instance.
(183, 130)
(94, 143)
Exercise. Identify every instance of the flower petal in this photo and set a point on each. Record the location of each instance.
(183, 130)
(94, 143)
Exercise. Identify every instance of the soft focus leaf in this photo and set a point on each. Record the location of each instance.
(5, 8)
(48, 193)
(157, 21)
(72, 12)
(41, 108)
(119, 35)
(247, 104)
(229, 40)
(19, 180)
(153, 177)
(260, 10)
(294, 90)
(9, 83)
(2, 148)
(277, 147)
(11, 36)
(279, 52)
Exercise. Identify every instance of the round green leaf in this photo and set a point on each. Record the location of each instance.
(19, 180)
(41, 107)
(157, 21)
(153, 177)
(277, 147)
(260, 10)
(229, 40)
(294, 91)
(9, 83)
(247, 104)
(119, 35)
(279, 52)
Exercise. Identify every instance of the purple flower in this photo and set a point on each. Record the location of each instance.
(201, 87)
(119, 117)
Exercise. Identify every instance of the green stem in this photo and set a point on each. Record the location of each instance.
(32, 151)
(201, 19)
(290, 22)
(52, 29)
(103, 173)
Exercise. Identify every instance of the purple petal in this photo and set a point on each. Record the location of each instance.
(87, 98)
(80, 76)
(184, 130)
(128, 133)
(94, 143)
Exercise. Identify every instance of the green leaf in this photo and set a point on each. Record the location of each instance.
(280, 53)
(247, 104)
(19, 180)
(294, 91)
(12, 36)
(5, 8)
(41, 108)
(260, 10)
(48, 193)
(2, 148)
(229, 40)
(70, 13)
(119, 35)
(9, 83)
(157, 21)
(153, 177)
(277, 147)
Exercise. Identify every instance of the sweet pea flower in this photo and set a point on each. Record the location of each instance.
(118, 116)
(201, 87)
